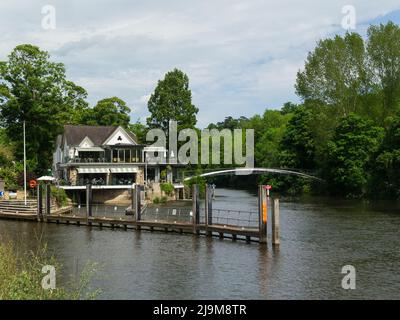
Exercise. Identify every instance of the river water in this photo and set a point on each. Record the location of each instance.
(318, 237)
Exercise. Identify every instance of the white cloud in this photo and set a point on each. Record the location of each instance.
(240, 56)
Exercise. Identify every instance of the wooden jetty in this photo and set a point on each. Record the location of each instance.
(208, 228)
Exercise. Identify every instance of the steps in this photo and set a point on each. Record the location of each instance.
(19, 202)
(19, 207)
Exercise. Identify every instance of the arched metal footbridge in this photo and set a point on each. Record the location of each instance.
(248, 171)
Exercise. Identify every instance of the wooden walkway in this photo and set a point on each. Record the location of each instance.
(66, 217)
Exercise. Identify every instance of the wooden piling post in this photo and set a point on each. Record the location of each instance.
(263, 202)
(275, 223)
(208, 208)
(39, 202)
(89, 195)
(195, 207)
(133, 197)
(138, 206)
(48, 201)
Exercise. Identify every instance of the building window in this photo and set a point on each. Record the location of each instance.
(127, 155)
(121, 157)
(115, 155)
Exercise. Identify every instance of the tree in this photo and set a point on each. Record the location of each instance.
(384, 62)
(348, 154)
(107, 112)
(35, 90)
(6, 152)
(334, 73)
(386, 168)
(272, 129)
(172, 100)
(229, 123)
(297, 147)
(288, 107)
(140, 131)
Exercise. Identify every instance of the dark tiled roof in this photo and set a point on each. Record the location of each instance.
(132, 135)
(98, 134)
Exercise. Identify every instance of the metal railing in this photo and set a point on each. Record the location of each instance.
(102, 210)
(239, 218)
(162, 213)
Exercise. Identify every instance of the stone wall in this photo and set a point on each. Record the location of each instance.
(73, 176)
(140, 176)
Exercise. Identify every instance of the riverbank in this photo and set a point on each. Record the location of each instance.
(32, 275)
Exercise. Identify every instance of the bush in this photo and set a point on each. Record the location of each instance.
(156, 200)
(168, 188)
(10, 176)
(59, 195)
(200, 181)
(162, 200)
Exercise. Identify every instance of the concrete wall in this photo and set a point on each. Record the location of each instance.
(112, 196)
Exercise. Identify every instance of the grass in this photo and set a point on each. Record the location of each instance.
(21, 276)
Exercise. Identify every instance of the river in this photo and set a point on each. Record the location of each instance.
(318, 237)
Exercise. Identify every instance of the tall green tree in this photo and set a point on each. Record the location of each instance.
(348, 155)
(297, 147)
(386, 166)
(172, 100)
(107, 112)
(35, 89)
(384, 63)
(6, 152)
(335, 73)
(268, 137)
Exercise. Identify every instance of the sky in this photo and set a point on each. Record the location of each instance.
(241, 56)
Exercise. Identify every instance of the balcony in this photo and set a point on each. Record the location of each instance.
(101, 160)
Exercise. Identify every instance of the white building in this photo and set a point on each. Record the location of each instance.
(108, 157)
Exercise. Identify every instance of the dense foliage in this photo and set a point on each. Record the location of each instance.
(107, 112)
(349, 155)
